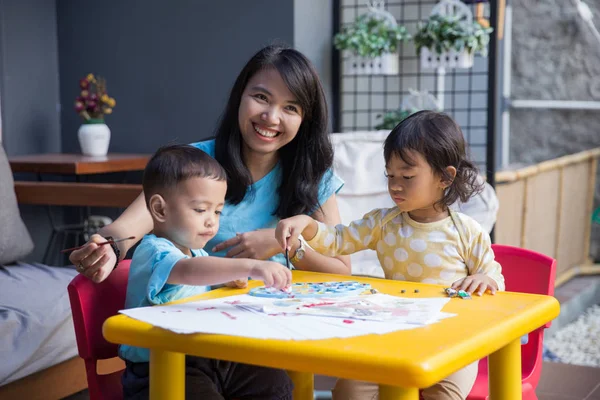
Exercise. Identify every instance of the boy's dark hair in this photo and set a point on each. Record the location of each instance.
(441, 142)
(306, 158)
(173, 164)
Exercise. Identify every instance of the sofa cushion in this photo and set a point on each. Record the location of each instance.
(15, 241)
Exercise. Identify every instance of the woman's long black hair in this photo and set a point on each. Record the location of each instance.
(306, 158)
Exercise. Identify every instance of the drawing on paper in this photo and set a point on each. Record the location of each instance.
(373, 308)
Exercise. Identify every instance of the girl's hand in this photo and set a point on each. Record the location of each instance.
(93, 261)
(257, 245)
(238, 284)
(476, 283)
(288, 230)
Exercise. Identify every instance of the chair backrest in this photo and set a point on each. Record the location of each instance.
(526, 271)
(91, 304)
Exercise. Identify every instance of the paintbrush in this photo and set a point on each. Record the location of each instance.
(99, 244)
(287, 290)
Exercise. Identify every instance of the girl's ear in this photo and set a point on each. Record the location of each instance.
(157, 207)
(447, 178)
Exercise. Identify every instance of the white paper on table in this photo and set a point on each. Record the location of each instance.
(377, 307)
(242, 316)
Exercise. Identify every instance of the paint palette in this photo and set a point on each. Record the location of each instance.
(313, 289)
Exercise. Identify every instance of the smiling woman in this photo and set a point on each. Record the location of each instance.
(273, 142)
(274, 145)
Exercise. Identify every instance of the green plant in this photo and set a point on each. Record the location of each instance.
(371, 35)
(393, 118)
(442, 33)
(411, 103)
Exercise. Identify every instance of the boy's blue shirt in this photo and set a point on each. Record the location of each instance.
(150, 268)
(257, 209)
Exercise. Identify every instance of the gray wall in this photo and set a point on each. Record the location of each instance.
(555, 57)
(169, 64)
(30, 93)
(29, 76)
(313, 36)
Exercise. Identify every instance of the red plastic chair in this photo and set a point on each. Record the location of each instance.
(91, 304)
(524, 271)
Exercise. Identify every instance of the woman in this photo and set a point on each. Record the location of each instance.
(274, 145)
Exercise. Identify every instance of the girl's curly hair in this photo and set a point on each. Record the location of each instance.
(441, 142)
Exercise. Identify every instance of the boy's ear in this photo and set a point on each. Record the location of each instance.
(446, 180)
(157, 207)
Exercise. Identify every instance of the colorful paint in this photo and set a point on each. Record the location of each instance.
(314, 289)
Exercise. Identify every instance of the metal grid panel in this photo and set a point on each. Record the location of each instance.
(464, 94)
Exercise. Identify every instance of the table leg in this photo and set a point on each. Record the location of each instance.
(304, 385)
(397, 393)
(505, 372)
(167, 375)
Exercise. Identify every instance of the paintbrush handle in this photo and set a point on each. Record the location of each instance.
(99, 244)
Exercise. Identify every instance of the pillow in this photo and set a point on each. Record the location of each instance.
(15, 242)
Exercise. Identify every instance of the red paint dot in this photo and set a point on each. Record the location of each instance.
(348, 321)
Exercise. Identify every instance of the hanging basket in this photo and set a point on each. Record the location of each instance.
(387, 64)
(451, 58)
(447, 59)
(419, 100)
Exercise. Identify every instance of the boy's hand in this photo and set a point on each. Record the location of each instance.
(238, 284)
(272, 274)
(476, 283)
(289, 229)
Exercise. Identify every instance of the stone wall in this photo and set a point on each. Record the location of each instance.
(555, 57)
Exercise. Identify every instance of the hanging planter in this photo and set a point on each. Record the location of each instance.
(370, 44)
(446, 59)
(386, 64)
(450, 38)
(415, 101)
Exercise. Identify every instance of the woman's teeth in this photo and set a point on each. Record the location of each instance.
(265, 133)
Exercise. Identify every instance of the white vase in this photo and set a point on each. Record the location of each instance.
(94, 139)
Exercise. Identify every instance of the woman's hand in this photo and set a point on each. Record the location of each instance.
(479, 283)
(93, 261)
(258, 245)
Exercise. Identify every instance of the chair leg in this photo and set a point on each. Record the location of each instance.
(48, 255)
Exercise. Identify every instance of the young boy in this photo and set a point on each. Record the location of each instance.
(185, 191)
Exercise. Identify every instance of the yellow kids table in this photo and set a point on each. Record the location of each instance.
(401, 362)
